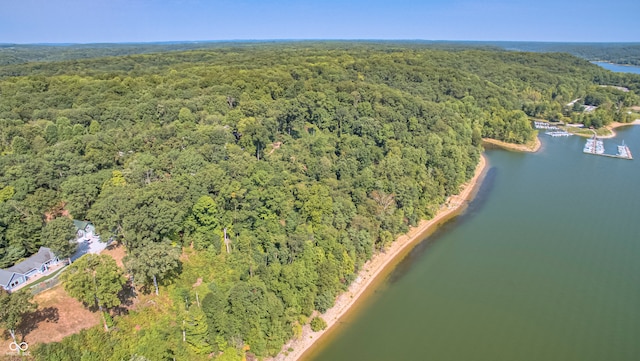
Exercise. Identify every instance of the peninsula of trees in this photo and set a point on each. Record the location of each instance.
(249, 184)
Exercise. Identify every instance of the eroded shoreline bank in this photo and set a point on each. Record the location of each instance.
(377, 268)
(530, 147)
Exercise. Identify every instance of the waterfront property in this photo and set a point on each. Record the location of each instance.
(19, 274)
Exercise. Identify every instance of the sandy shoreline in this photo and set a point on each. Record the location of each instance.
(615, 125)
(376, 267)
(530, 147)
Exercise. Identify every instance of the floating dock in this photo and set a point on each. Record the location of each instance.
(560, 133)
(596, 147)
(624, 152)
(616, 156)
(544, 125)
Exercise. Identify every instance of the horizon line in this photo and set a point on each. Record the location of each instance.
(167, 42)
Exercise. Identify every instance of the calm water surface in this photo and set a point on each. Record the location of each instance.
(545, 265)
(619, 68)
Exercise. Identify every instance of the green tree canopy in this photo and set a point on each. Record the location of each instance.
(153, 261)
(59, 234)
(95, 280)
(302, 159)
(13, 307)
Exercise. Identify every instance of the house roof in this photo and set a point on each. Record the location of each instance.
(81, 224)
(5, 277)
(44, 255)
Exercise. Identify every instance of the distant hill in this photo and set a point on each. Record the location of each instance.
(619, 53)
(18, 54)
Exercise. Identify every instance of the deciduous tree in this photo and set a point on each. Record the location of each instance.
(59, 235)
(95, 280)
(153, 261)
(13, 307)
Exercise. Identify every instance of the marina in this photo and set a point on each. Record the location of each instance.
(595, 146)
(624, 151)
(544, 125)
(560, 133)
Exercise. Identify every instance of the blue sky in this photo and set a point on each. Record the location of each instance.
(91, 21)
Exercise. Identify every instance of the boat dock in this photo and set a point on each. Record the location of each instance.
(596, 147)
(624, 152)
(614, 156)
(560, 133)
(544, 125)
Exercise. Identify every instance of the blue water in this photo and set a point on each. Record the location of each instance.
(619, 68)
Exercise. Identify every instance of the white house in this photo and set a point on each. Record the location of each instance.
(86, 231)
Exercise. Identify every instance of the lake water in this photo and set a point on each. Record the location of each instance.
(544, 265)
(619, 68)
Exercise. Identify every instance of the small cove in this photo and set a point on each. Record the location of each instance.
(618, 68)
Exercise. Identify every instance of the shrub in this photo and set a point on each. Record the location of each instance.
(318, 324)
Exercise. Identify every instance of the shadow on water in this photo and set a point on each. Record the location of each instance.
(481, 197)
(473, 208)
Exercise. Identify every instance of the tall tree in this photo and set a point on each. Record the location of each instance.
(203, 224)
(59, 235)
(153, 261)
(80, 192)
(95, 280)
(13, 307)
(197, 331)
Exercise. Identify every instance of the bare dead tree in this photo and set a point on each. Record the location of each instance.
(385, 202)
(231, 101)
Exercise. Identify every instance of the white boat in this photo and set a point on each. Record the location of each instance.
(594, 146)
(623, 151)
(559, 134)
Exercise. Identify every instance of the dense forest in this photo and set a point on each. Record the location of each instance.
(247, 184)
(26, 53)
(619, 53)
